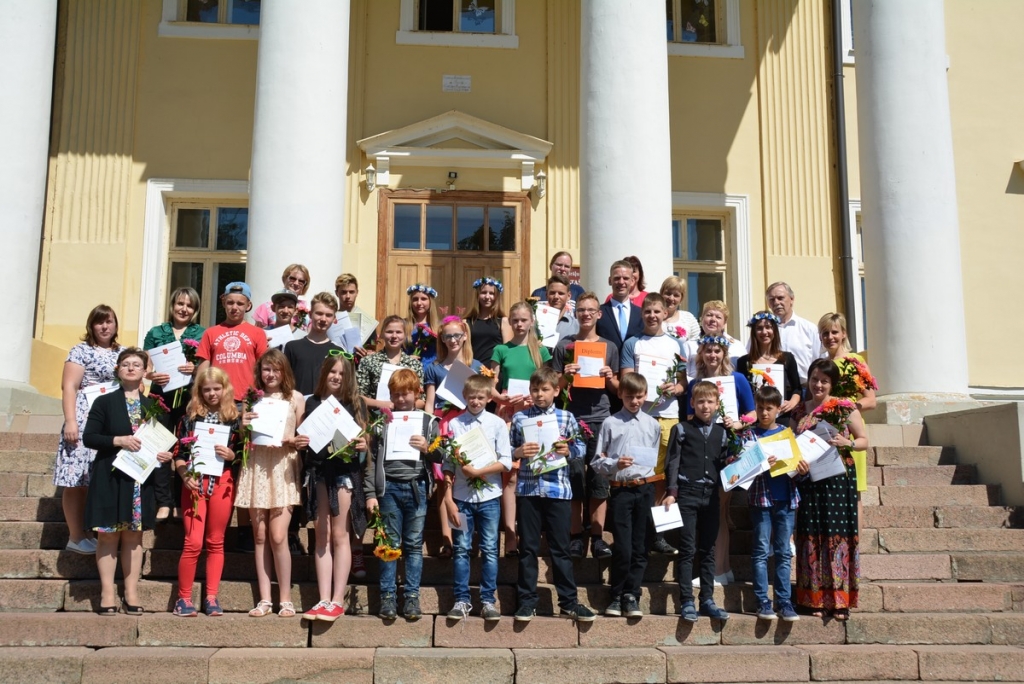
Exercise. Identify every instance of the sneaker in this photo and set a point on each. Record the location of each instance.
(212, 607)
(316, 611)
(411, 609)
(460, 611)
(580, 613)
(86, 547)
(183, 608)
(577, 548)
(599, 548)
(614, 608)
(709, 609)
(388, 607)
(663, 548)
(696, 582)
(787, 612)
(490, 612)
(765, 612)
(631, 607)
(295, 546)
(331, 612)
(358, 564)
(688, 612)
(525, 613)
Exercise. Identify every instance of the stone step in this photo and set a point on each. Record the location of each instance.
(988, 567)
(30, 509)
(27, 484)
(900, 476)
(29, 441)
(973, 517)
(880, 434)
(914, 456)
(909, 540)
(958, 597)
(1003, 629)
(39, 462)
(950, 495)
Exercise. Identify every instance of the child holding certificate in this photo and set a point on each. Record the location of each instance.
(697, 451)
(773, 502)
(398, 479)
(207, 500)
(334, 492)
(544, 438)
(372, 367)
(473, 492)
(268, 484)
(627, 448)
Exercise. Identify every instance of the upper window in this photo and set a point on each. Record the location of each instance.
(455, 227)
(700, 257)
(464, 16)
(703, 28)
(222, 11)
(237, 19)
(458, 23)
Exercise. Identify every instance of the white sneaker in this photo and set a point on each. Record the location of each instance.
(86, 547)
(724, 579)
(718, 581)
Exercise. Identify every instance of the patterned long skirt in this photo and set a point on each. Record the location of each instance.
(828, 557)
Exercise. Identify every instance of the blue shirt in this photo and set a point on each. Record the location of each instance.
(553, 484)
(767, 490)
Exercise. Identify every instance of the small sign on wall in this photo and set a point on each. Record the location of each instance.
(451, 83)
(574, 274)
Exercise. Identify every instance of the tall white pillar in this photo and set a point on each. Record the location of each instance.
(625, 155)
(908, 198)
(27, 36)
(297, 187)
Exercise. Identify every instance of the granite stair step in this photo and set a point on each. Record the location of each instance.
(974, 517)
(27, 484)
(39, 462)
(950, 495)
(900, 476)
(914, 456)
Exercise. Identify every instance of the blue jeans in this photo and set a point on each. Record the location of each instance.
(772, 526)
(403, 518)
(484, 518)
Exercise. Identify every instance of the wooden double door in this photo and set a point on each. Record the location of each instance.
(447, 241)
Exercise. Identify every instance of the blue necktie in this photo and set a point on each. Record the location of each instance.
(623, 323)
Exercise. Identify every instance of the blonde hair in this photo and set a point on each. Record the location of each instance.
(193, 298)
(466, 353)
(325, 298)
(345, 279)
(829, 320)
(673, 284)
(724, 368)
(227, 411)
(532, 344)
(432, 317)
(296, 267)
(715, 305)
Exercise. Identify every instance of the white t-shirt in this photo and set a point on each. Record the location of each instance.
(801, 339)
(497, 434)
(663, 346)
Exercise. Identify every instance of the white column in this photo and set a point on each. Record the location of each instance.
(27, 35)
(908, 193)
(625, 155)
(297, 188)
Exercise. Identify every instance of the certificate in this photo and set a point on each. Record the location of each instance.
(475, 446)
(364, 322)
(93, 392)
(204, 456)
(343, 333)
(386, 371)
(590, 356)
(404, 426)
(279, 336)
(462, 526)
(451, 387)
(518, 388)
(812, 446)
(782, 445)
(547, 321)
(139, 464)
(830, 463)
(166, 359)
(644, 457)
(655, 370)
(752, 461)
(542, 430)
(726, 385)
(268, 426)
(666, 519)
(327, 419)
(547, 462)
(775, 371)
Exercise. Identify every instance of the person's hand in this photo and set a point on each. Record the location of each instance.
(606, 372)
(840, 441)
(388, 405)
(625, 462)
(361, 444)
(772, 460)
(299, 441)
(186, 369)
(360, 352)
(668, 501)
(572, 368)
(728, 423)
(226, 454)
(666, 388)
(71, 433)
(191, 483)
(159, 378)
(453, 514)
(248, 417)
(788, 406)
(129, 442)
(419, 442)
(164, 456)
(803, 467)
(529, 450)
(470, 472)
(562, 448)
(371, 505)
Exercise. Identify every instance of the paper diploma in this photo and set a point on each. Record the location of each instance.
(365, 323)
(542, 430)
(751, 460)
(666, 519)
(404, 426)
(830, 463)
(727, 394)
(451, 387)
(386, 371)
(204, 455)
(590, 356)
(518, 388)
(776, 372)
(644, 457)
(655, 370)
(166, 359)
(547, 321)
(139, 464)
(329, 417)
(475, 446)
(93, 392)
(343, 333)
(279, 336)
(268, 426)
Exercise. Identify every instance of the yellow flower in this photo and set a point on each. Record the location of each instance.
(436, 444)
(486, 372)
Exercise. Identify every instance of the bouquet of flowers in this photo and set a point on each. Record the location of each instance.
(450, 448)
(678, 366)
(834, 411)
(534, 302)
(763, 376)
(300, 319)
(376, 427)
(252, 397)
(424, 340)
(154, 410)
(565, 396)
(854, 379)
(386, 550)
(736, 437)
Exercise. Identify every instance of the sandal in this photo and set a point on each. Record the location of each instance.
(262, 609)
(287, 609)
(107, 610)
(129, 609)
(841, 614)
(818, 613)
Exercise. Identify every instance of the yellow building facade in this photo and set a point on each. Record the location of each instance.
(152, 137)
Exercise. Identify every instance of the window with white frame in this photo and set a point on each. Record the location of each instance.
(208, 244)
(703, 28)
(700, 256)
(458, 23)
(846, 21)
(862, 292)
(245, 12)
(210, 19)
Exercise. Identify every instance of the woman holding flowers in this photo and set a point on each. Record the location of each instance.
(392, 335)
(487, 322)
(117, 507)
(828, 558)
(268, 485)
(423, 320)
(679, 322)
(181, 326)
(334, 490)
(766, 349)
(207, 500)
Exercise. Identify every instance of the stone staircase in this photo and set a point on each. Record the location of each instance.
(942, 599)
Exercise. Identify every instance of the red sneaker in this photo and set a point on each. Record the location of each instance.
(358, 564)
(332, 612)
(316, 611)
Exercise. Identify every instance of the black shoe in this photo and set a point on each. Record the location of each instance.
(525, 613)
(630, 606)
(245, 544)
(411, 609)
(688, 612)
(614, 608)
(663, 548)
(577, 547)
(599, 548)
(388, 607)
(709, 609)
(295, 546)
(579, 613)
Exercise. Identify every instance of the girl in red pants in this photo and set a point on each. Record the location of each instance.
(207, 500)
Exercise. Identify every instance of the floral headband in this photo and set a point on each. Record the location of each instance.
(425, 289)
(763, 316)
(714, 339)
(488, 281)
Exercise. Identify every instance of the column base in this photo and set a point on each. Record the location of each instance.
(910, 409)
(24, 409)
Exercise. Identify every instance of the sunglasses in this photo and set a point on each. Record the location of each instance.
(293, 279)
(340, 352)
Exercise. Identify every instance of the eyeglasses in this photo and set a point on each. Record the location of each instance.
(588, 312)
(293, 279)
(340, 352)
(452, 337)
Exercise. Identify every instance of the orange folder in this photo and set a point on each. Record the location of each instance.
(594, 350)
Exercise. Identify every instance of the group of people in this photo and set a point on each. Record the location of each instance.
(584, 438)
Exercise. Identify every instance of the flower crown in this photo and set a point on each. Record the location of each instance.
(714, 339)
(425, 289)
(763, 316)
(451, 319)
(488, 281)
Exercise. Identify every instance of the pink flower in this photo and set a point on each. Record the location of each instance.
(680, 332)
(388, 415)
(191, 343)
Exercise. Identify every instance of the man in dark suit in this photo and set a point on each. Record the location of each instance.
(620, 318)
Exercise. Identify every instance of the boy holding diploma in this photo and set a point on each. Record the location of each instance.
(474, 491)
(773, 502)
(623, 443)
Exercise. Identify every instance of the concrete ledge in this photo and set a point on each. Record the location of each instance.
(473, 632)
(910, 409)
(748, 630)
(443, 666)
(978, 663)
(226, 631)
(259, 666)
(649, 631)
(372, 632)
(614, 666)
(150, 665)
(919, 628)
(32, 665)
(65, 629)
(736, 664)
(27, 595)
(837, 663)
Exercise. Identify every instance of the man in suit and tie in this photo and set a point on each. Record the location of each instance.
(620, 318)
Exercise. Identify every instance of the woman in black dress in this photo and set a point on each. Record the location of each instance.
(488, 326)
(766, 349)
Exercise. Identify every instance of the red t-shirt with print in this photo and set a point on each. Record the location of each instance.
(235, 349)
